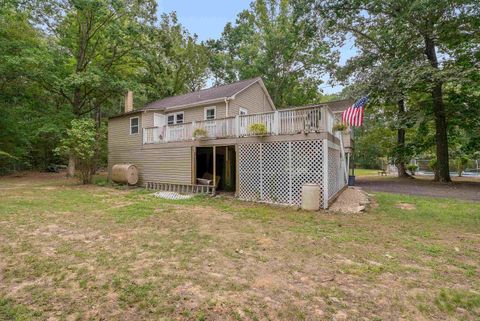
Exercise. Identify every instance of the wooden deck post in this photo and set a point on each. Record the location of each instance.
(214, 165)
(276, 123)
(194, 165)
(237, 126)
(237, 176)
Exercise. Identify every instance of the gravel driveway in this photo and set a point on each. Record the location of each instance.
(461, 188)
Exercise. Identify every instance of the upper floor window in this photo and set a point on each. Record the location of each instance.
(210, 113)
(243, 111)
(134, 125)
(175, 118)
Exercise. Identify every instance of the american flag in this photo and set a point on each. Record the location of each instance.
(353, 116)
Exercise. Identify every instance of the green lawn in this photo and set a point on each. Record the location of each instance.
(71, 252)
(366, 172)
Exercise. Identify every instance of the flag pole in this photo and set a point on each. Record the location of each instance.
(353, 154)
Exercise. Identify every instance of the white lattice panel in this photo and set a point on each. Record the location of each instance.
(334, 172)
(249, 171)
(275, 172)
(307, 167)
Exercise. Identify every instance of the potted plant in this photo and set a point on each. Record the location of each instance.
(200, 133)
(340, 127)
(258, 129)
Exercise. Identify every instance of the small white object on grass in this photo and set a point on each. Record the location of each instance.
(172, 195)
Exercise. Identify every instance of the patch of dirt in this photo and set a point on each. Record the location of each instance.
(351, 200)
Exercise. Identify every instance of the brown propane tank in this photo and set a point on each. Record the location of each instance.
(125, 173)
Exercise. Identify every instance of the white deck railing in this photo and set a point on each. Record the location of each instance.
(179, 132)
(292, 121)
(217, 128)
(281, 122)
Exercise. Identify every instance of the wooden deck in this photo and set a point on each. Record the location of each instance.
(318, 119)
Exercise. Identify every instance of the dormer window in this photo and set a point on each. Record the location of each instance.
(210, 113)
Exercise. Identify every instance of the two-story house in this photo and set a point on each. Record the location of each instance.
(231, 138)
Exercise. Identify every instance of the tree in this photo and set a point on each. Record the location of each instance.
(82, 142)
(27, 109)
(173, 62)
(95, 42)
(425, 29)
(273, 39)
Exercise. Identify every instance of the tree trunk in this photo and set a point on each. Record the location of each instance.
(402, 172)
(442, 172)
(71, 167)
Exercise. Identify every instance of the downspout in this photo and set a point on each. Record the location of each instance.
(226, 106)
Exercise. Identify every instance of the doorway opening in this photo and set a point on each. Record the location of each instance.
(216, 166)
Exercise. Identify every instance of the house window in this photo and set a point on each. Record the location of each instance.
(179, 118)
(243, 111)
(134, 125)
(209, 113)
(175, 118)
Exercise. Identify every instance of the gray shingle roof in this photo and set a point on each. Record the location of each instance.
(204, 95)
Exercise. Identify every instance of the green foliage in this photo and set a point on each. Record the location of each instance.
(412, 168)
(433, 164)
(11, 311)
(258, 129)
(418, 52)
(81, 143)
(277, 41)
(62, 60)
(461, 163)
(174, 62)
(450, 299)
(340, 127)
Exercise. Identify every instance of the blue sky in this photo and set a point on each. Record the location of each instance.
(207, 18)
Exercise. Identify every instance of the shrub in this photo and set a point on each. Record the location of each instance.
(433, 164)
(82, 143)
(258, 129)
(412, 168)
(200, 133)
(461, 163)
(340, 127)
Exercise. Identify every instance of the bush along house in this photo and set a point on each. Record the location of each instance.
(231, 138)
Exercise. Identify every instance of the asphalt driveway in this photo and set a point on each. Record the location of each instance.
(461, 188)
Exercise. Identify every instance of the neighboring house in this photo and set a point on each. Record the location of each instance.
(231, 138)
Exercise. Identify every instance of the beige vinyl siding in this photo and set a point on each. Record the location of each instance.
(119, 133)
(252, 99)
(147, 119)
(196, 113)
(167, 165)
